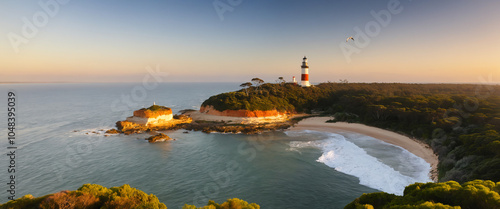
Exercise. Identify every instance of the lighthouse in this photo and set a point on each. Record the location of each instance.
(305, 74)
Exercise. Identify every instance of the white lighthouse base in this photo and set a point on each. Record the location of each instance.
(305, 84)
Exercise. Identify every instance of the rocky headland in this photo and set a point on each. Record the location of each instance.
(260, 114)
(154, 118)
(208, 120)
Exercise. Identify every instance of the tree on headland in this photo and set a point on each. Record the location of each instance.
(281, 81)
(257, 82)
(245, 86)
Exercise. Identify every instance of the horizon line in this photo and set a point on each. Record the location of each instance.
(103, 82)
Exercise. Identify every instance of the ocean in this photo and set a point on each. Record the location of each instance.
(61, 146)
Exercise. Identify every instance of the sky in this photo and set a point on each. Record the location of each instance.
(426, 41)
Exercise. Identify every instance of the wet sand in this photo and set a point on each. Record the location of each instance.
(419, 149)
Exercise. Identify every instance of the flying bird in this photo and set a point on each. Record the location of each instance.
(350, 37)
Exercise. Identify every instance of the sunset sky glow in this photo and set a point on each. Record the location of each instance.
(449, 41)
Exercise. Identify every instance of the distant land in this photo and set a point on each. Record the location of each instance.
(20, 82)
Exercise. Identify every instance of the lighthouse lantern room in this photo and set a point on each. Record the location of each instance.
(305, 74)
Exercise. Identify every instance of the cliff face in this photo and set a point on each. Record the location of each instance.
(151, 118)
(241, 113)
(152, 114)
(156, 121)
(129, 127)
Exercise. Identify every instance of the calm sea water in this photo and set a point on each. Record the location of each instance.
(57, 150)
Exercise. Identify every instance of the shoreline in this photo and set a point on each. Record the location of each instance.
(419, 149)
(199, 116)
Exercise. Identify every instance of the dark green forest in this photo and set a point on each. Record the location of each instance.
(461, 122)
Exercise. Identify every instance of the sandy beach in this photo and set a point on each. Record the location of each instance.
(417, 148)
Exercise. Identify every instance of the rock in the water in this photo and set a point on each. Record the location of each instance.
(127, 126)
(113, 131)
(158, 138)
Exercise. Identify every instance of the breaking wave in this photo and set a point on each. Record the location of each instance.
(347, 157)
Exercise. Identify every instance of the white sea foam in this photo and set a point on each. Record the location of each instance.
(349, 158)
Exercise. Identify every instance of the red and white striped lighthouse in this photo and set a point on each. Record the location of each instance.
(305, 74)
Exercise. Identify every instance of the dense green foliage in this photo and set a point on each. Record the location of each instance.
(470, 195)
(93, 196)
(460, 121)
(282, 97)
(90, 196)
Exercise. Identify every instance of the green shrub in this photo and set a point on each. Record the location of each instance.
(234, 203)
(477, 194)
(93, 196)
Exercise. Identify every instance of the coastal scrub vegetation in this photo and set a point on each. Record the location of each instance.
(461, 122)
(93, 196)
(286, 97)
(447, 195)
(156, 108)
(234, 203)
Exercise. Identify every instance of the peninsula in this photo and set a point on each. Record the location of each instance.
(458, 123)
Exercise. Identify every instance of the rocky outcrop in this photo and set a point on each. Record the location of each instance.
(128, 127)
(153, 118)
(146, 113)
(158, 138)
(149, 117)
(242, 113)
(229, 121)
(113, 131)
(209, 127)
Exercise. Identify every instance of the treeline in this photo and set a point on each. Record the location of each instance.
(93, 196)
(448, 195)
(460, 121)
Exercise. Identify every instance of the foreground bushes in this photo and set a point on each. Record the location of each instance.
(93, 196)
(475, 194)
(234, 203)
